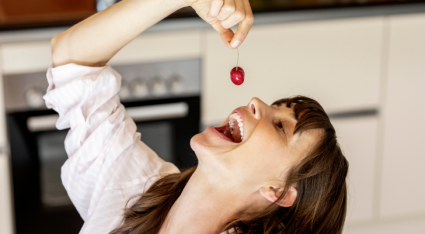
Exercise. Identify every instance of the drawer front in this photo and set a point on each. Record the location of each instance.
(36, 56)
(25, 57)
(403, 188)
(357, 138)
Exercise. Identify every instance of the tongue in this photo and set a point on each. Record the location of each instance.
(225, 131)
(236, 132)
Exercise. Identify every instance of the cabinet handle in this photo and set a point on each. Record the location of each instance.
(42, 123)
(354, 113)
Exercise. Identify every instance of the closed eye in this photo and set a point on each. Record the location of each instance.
(280, 126)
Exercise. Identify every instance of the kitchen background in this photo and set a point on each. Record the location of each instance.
(363, 60)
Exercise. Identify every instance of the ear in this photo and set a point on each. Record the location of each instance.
(273, 190)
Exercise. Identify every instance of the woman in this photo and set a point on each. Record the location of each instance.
(266, 169)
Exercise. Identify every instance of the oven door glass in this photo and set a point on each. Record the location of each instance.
(158, 136)
(52, 156)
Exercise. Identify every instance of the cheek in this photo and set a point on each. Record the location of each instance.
(266, 155)
(266, 141)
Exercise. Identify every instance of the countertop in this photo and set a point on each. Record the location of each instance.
(260, 18)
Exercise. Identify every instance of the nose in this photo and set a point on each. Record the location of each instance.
(257, 107)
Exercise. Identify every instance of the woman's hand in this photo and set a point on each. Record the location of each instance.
(224, 14)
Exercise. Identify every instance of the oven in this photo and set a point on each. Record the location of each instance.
(163, 99)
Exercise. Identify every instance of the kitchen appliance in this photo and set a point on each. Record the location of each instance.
(163, 99)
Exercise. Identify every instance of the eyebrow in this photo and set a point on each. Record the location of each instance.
(292, 114)
(287, 126)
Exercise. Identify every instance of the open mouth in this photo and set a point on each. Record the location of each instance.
(233, 129)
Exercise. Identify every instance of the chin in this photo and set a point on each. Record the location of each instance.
(198, 143)
(194, 142)
(202, 144)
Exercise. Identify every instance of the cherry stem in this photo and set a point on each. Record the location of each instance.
(237, 61)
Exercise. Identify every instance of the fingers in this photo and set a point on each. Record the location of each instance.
(227, 10)
(226, 37)
(215, 8)
(236, 16)
(229, 13)
(225, 33)
(244, 26)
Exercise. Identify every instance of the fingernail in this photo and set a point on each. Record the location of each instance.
(235, 43)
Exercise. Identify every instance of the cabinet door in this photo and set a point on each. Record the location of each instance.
(160, 46)
(336, 62)
(25, 57)
(357, 138)
(403, 179)
(6, 219)
(35, 56)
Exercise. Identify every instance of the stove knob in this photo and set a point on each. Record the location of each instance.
(158, 87)
(139, 89)
(124, 92)
(34, 98)
(175, 85)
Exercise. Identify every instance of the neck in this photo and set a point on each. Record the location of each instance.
(203, 207)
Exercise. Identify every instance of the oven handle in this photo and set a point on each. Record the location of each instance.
(140, 113)
(158, 112)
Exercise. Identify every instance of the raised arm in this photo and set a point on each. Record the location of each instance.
(107, 162)
(95, 40)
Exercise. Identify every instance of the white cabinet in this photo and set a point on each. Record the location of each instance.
(336, 62)
(35, 56)
(357, 138)
(25, 57)
(6, 225)
(403, 174)
(160, 46)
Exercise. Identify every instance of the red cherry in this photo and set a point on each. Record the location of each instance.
(237, 76)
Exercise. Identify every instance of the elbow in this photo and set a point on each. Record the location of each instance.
(59, 50)
(53, 45)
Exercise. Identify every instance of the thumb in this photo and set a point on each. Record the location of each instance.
(226, 34)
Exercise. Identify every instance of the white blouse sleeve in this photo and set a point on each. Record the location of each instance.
(107, 164)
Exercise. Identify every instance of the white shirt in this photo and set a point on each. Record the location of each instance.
(107, 163)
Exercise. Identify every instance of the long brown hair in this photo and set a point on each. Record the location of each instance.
(320, 206)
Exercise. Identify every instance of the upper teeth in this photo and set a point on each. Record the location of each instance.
(240, 123)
